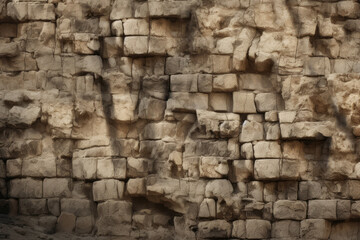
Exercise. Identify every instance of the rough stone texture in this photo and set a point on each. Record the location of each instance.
(189, 119)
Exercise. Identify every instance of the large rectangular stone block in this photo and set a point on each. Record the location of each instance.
(293, 210)
(26, 188)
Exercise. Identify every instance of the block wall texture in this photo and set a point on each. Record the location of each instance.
(166, 119)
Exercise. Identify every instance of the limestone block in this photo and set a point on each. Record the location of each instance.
(247, 151)
(355, 209)
(84, 168)
(187, 101)
(241, 170)
(267, 169)
(62, 188)
(287, 116)
(225, 83)
(24, 115)
(316, 66)
(272, 131)
(343, 208)
(251, 131)
(315, 229)
(84, 225)
(348, 9)
(121, 9)
(227, 124)
(114, 218)
(108, 189)
(225, 45)
(306, 130)
(25, 188)
(17, 10)
(136, 45)
(112, 47)
(322, 209)
(138, 167)
(156, 86)
(219, 188)
(293, 210)
(91, 64)
(105, 168)
(213, 167)
(13, 167)
(239, 229)
(244, 102)
(205, 83)
(66, 222)
(38, 11)
(267, 149)
(42, 166)
(151, 109)
(9, 49)
(220, 102)
(136, 187)
(136, 27)
(53, 205)
(32, 206)
(117, 28)
(159, 130)
(178, 9)
(259, 82)
(124, 107)
(345, 230)
(292, 169)
(156, 149)
(207, 208)
(271, 116)
(78, 207)
(267, 102)
(258, 229)
(285, 229)
(184, 83)
(256, 190)
(214, 229)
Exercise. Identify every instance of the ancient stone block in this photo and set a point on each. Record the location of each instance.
(136, 45)
(78, 207)
(286, 209)
(207, 208)
(244, 102)
(62, 189)
(26, 188)
(151, 109)
(32, 206)
(315, 229)
(267, 150)
(213, 167)
(184, 83)
(221, 187)
(114, 218)
(256, 228)
(267, 169)
(322, 209)
(241, 170)
(225, 83)
(13, 167)
(84, 168)
(136, 27)
(256, 190)
(66, 222)
(251, 131)
(187, 101)
(108, 189)
(215, 229)
(220, 102)
(285, 229)
(136, 187)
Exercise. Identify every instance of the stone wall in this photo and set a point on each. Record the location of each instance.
(181, 119)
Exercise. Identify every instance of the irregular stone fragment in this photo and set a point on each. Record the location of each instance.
(136, 186)
(213, 167)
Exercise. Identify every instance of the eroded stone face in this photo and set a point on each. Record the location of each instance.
(181, 119)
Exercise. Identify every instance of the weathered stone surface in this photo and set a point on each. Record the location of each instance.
(285, 229)
(114, 218)
(108, 189)
(32, 206)
(219, 188)
(62, 189)
(225, 83)
(215, 229)
(78, 207)
(213, 167)
(207, 208)
(66, 222)
(244, 102)
(315, 228)
(322, 209)
(251, 131)
(267, 150)
(26, 188)
(84, 168)
(256, 229)
(241, 170)
(285, 209)
(267, 169)
(136, 186)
